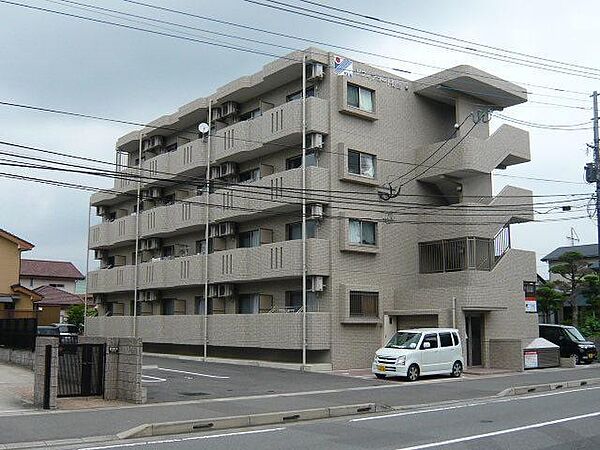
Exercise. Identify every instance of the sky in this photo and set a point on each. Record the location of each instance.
(66, 63)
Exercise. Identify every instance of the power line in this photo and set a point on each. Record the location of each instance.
(331, 18)
(445, 36)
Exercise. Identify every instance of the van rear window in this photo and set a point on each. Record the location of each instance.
(446, 340)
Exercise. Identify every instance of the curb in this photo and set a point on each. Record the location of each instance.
(521, 390)
(220, 423)
(42, 444)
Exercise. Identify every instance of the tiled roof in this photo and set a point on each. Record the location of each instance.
(587, 250)
(49, 269)
(55, 296)
(22, 243)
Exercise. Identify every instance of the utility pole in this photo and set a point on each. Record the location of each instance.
(597, 167)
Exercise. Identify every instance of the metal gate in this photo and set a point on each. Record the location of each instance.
(80, 370)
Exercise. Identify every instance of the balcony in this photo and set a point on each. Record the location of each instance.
(234, 204)
(118, 231)
(276, 331)
(278, 126)
(188, 160)
(268, 262)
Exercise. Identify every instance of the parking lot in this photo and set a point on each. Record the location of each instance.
(168, 380)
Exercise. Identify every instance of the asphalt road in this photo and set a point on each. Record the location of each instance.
(557, 420)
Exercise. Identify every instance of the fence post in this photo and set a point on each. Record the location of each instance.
(47, 373)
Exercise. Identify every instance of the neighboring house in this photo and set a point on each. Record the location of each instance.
(58, 298)
(17, 301)
(431, 261)
(60, 274)
(589, 253)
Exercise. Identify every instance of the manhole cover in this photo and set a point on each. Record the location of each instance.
(193, 394)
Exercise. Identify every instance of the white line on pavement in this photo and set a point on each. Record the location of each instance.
(471, 404)
(151, 379)
(500, 432)
(193, 438)
(192, 373)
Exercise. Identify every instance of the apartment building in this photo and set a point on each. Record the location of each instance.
(438, 253)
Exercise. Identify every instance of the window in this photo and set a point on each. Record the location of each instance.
(199, 304)
(432, 339)
(168, 251)
(362, 232)
(293, 231)
(455, 338)
(31, 282)
(201, 247)
(296, 161)
(57, 285)
(249, 175)
(360, 97)
(529, 288)
(364, 304)
(249, 239)
(362, 164)
(247, 304)
(293, 300)
(251, 114)
(446, 340)
(310, 92)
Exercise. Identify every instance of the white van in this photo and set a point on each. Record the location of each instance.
(422, 351)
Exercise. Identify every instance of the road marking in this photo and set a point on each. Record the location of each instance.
(193, 438)
(193, 373)
(501, 432)
(470, 404)
(152, 379)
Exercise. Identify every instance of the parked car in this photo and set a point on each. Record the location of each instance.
(68, 333)
(571, 342)
(421, 351)
(48, 330)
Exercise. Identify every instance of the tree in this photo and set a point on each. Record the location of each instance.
(549, 299)
(572, 268)
(75, 315)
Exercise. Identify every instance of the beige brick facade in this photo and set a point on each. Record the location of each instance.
(408, 124)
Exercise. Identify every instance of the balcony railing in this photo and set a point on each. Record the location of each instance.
(467, 253)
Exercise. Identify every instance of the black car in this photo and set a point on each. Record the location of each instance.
(570, 341)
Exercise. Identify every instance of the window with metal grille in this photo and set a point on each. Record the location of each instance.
(364, 304)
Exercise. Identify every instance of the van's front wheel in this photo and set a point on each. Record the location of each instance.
(412, 374)
(457, 369)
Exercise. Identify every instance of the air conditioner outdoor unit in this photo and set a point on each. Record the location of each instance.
(213, 290)
(228, 169)
(155, 192)
(152, 244)
(150, 296)
(315, 140)
(314, 71)
(225, 290)
(101, 210)
(227, 228)
(315, 211)
(229, 109)
(315, 283)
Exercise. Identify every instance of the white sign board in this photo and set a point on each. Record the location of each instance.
(530, 306)
(531, 360)
(343, 66)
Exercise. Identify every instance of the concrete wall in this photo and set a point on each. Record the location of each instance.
(19, 357)
(505, 354)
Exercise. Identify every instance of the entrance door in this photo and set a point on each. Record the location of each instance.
(474, 338)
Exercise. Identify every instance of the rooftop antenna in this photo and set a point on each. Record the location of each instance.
(573, 237)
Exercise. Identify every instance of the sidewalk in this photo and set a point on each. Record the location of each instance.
(16, 388)
(28, 427)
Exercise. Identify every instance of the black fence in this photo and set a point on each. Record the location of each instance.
(18, 333)
(80, 370)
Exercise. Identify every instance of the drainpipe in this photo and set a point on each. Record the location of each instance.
(207, 193)
(87, 265)
(137, 237)
(453, 312)
(303, 211)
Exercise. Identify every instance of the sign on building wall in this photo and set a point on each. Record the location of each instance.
(530, 305)
(343, 66)
(530, 360)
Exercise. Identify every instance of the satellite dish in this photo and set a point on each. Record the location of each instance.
(203, 128)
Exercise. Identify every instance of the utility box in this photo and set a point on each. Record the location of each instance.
(541, 354)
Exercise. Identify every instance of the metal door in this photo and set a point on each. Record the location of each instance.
(80, 370)
(474, 339)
